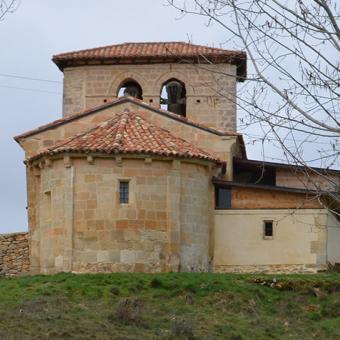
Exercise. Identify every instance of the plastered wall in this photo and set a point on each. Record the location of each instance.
(299, 242)
(297, 178)
(333, 239)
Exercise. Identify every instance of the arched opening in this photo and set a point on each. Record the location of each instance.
(130, 87)
(173, 97)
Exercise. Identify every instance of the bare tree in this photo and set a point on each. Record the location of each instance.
(8, 7)
(292, 89)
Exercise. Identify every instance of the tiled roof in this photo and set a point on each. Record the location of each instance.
(160, 52)
(117, 101)
(128, 133)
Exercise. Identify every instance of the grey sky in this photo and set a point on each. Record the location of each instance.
(37, 30)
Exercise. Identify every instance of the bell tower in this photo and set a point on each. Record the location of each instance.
(193, 81)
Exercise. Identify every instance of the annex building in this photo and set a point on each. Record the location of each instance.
(146, 172)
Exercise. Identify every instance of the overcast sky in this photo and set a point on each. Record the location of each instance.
(40, 28)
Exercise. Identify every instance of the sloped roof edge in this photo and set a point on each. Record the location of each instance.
(128, 133)
(117, 101)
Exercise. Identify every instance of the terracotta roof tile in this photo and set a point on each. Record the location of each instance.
(154, 52)
(128, 133)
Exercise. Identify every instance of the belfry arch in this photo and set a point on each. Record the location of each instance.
(123, 77)
(130, 87)
(173, 96)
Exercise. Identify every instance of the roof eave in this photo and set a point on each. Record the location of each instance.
(133, 154)
(222, 182)
(240, 61)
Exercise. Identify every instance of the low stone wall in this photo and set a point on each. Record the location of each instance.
(14, 254)
(270, 269)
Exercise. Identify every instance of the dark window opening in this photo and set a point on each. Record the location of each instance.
(130, 88)
(268, 228)
(254, 173)
(222, 198)
(173, 97)
(124, 192)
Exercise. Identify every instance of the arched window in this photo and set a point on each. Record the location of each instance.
(130, 87)
(173, 97)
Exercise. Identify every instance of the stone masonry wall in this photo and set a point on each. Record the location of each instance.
(210, 93)
(271, 269)
(109, 236)
(14, 254)
(195, 209)
(82, 226)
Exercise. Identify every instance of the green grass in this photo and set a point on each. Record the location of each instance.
(170, 306)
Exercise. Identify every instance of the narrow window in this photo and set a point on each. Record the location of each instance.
(123, 192)
(268, 229)
(222, 198)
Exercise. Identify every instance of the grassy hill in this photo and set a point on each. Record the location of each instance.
(170, 306)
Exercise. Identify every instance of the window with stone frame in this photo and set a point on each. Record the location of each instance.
(123, 192)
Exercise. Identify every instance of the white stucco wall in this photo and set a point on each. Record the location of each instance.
(300, 238)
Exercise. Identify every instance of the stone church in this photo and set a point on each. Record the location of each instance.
(146, 172)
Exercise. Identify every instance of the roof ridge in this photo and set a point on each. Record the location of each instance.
(124, 119)
(85, 50)
(139, 43)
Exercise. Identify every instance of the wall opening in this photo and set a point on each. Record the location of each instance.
(130, 87)
(173, 97)
(222, 198)
(268, 231)
(254, 173)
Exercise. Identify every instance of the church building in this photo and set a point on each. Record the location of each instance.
(145, 172)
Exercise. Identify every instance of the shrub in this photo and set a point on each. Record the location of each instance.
(128, 311)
